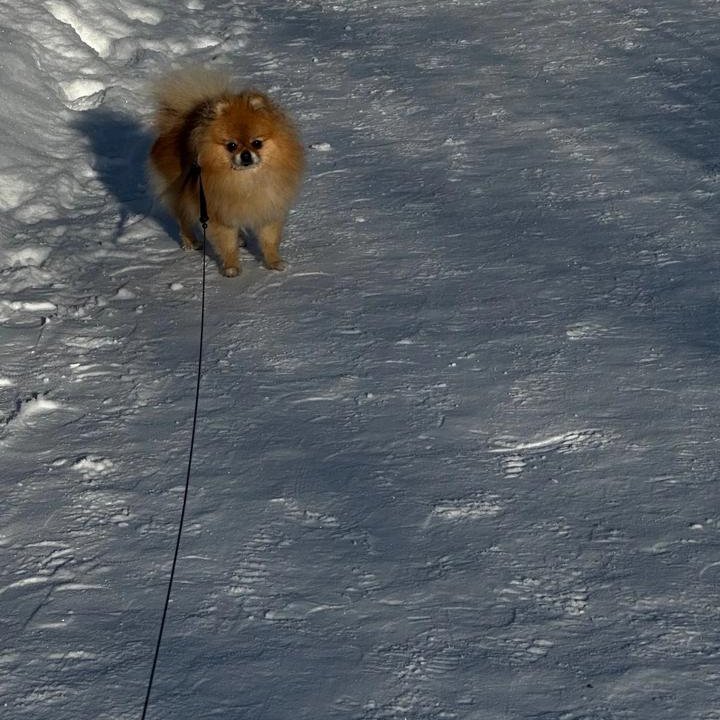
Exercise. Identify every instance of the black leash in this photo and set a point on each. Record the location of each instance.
(203, 221)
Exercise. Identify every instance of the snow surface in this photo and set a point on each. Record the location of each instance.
(460, 460)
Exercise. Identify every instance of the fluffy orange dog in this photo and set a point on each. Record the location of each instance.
(246, 150)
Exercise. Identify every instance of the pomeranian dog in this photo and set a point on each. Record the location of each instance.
(237, 145)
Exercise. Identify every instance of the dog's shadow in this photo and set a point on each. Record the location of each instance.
(120, 145)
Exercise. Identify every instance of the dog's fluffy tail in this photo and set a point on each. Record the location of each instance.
(181, 91)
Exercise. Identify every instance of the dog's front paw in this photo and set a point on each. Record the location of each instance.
(275, 264)
(188, 243)
(231, 271)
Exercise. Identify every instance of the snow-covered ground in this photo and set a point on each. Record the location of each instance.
(460, 460)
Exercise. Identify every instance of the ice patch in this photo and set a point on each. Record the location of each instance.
(459, 510)
(37, 406)
(563, 442)
(37, 210)
(517, 453)
(81, 88)
(25, 257)
(99, 41)
(91, 466)
(125, 294)
(30, 306)
(11, 309)
(147, 15)
(321, 147)
(25, 582)
(14, 191)
(72, 655)
(513, 465)
(31, 407)
(585, 331)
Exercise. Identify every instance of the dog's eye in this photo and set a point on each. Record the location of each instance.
(231, 146)
(256, 144)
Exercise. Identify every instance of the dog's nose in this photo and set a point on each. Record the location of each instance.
(246, 158)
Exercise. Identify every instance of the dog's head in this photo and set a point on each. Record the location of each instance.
(241, 133)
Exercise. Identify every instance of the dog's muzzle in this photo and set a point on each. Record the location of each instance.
(245, 159)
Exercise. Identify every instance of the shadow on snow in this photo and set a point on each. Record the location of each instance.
(120, 145)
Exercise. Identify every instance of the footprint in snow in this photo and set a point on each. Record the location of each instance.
(465, 509)
(92, 466)
(517, 453)
(29, 408)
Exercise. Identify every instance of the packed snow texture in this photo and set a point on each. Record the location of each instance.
(458, 461)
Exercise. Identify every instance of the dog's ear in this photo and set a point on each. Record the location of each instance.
(219, 107)
(209, 110)
(257, 101)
